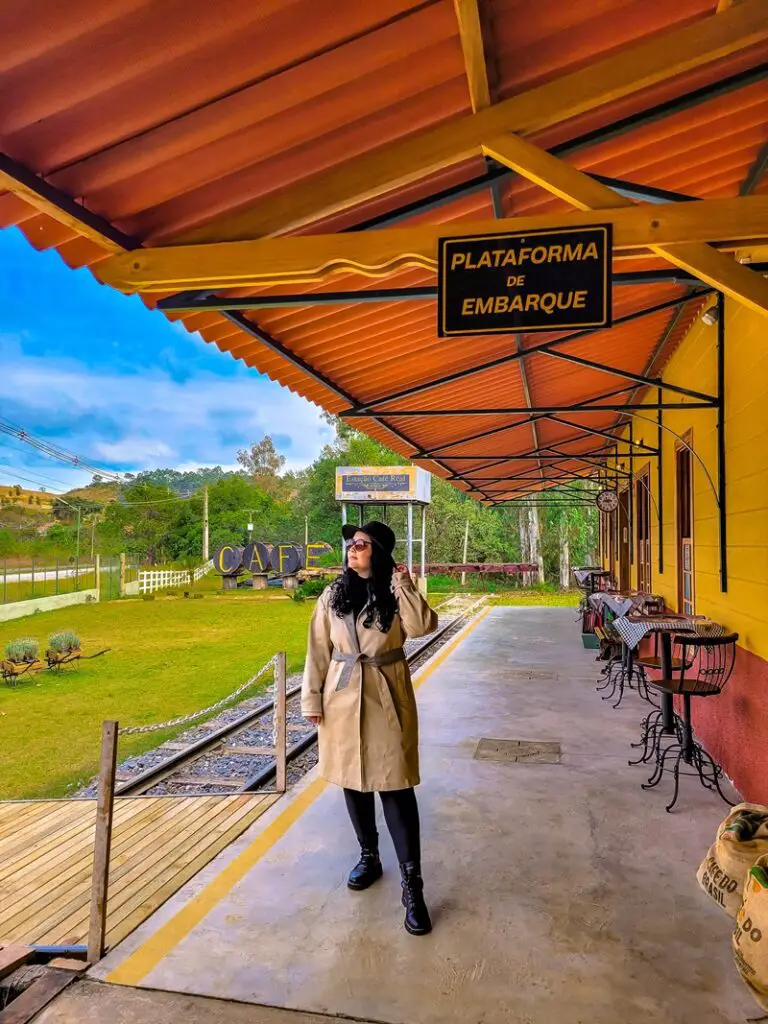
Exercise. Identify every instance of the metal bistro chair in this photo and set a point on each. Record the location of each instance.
(706, 666)
(609, 653)
(622, 670)
(652, 723)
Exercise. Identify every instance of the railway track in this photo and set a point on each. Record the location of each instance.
(234, 752)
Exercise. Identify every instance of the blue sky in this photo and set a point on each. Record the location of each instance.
(97, 373)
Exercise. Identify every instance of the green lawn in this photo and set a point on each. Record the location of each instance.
(169, 656)
(546, 598)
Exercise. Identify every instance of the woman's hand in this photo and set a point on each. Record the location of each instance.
(314, 719)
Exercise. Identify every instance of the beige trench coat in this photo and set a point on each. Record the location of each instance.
(369, 734)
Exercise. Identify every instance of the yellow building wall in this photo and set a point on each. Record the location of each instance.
(744, 608)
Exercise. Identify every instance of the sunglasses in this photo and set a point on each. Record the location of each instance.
(358, 545)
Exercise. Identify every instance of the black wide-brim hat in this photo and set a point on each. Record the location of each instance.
(380, 534)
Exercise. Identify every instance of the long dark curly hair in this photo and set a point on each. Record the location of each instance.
(382, 604)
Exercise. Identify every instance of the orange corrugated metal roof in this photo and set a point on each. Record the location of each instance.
(176, 118)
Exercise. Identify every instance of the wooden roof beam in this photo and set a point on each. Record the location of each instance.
(375, 254)
(46, 198)
(715, 268)
(471, 35)
(604, 81)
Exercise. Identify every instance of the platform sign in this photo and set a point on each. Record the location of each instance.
(383, 484)
(549, 280)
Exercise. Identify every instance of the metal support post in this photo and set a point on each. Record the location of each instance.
(660, 483)
(631, 501)
(343, 523)
(409, 539)
(423, 542)
(721, 474)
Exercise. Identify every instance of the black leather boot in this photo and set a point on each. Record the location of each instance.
(417, 921)
(367, 870)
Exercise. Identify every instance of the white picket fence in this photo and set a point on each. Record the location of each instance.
(161, 579)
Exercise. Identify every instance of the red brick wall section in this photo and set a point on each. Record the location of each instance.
(733, 728)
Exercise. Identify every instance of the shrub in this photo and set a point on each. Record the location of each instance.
(310, 588)
(64, 642)
(25, 649)
(330, 561)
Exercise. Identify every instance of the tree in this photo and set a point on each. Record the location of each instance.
(144, 517)
(263, 463)
(97, 478)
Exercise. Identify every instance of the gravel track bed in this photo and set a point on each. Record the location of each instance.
(217, 765)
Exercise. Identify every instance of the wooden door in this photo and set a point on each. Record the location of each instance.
(643, 516)
(684, 488)
(624, 563)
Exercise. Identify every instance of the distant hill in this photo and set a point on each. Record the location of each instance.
(25, 498)
(101, 492)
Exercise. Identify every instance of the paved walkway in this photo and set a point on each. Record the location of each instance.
(561, 893)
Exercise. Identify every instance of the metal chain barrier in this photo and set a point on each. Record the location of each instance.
(193, 716)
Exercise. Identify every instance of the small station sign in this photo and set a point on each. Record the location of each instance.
(529, 281)
(384, 484)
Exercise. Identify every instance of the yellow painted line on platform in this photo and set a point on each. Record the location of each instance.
(135, 968)
(437, 661)
(139, 964)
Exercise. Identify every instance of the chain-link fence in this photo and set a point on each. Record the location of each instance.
(41, 577)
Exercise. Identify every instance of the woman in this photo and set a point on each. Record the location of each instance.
(357, 690)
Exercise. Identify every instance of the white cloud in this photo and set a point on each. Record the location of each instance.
(134, 450)
(149, 420)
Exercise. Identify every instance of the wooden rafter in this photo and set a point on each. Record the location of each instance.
(577, 188)
(308, 258)
(18, 179)
(471, 34)
(634, 68)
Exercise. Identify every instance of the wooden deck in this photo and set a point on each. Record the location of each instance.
(159, 843)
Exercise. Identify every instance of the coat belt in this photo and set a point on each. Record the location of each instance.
(353, 659)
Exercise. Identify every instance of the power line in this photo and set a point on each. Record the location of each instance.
(6, 427)
(43, 479)
(99, 504)
(4, 443)
(14, 476)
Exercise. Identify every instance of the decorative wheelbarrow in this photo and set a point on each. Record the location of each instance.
(12, 671)
(57, 659)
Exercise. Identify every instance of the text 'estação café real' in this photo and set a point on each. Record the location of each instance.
(531, 281)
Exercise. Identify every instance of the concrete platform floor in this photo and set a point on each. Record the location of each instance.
(561, 893)
(89, 1002)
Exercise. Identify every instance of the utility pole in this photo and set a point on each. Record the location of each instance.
(306, 530)
(93, 532)
(205, 524)
(464, 559)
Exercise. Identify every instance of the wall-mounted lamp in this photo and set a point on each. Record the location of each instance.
(710, 316)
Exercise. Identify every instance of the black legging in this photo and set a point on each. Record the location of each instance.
(401, 813)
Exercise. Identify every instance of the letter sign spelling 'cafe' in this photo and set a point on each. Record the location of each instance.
(532, 281)
(260, 558)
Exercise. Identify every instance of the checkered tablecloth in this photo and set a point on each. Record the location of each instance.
(582, 575)
(619, 604)
(632, 631)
